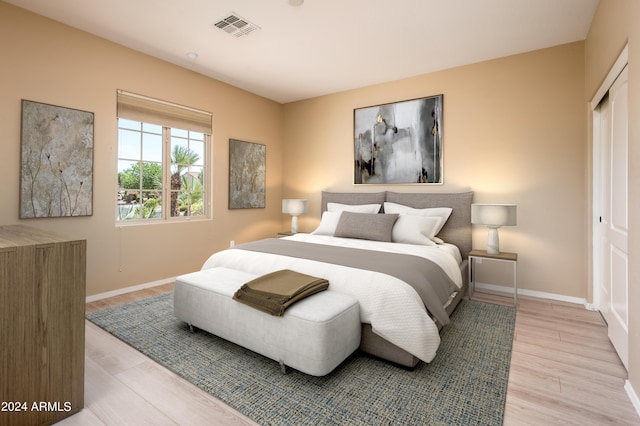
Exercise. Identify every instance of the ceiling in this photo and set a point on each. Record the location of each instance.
(325, 46)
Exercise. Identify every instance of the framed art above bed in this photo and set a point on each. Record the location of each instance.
(399, 143)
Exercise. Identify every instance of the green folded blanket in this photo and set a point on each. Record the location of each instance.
(273, 293)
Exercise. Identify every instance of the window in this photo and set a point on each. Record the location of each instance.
(162, 161)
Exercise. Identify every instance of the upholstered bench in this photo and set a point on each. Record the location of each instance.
(313, 336)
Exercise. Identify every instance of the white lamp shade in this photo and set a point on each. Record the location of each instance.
(294, 207)
(494, 215)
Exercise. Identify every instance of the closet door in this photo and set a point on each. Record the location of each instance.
(614, 222)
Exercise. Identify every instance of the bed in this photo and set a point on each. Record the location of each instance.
(346, 249)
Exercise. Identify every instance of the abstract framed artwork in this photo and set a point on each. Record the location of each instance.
(56, 171)
(399, 143)
(247, 174)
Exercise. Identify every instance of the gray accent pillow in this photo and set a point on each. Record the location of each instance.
(366, 226)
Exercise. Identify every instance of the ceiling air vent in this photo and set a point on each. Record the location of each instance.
(236, 25)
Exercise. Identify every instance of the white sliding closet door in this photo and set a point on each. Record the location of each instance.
(612, 256)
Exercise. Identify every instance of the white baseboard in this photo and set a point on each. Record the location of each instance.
(131, 289)
(590, 307)
(532, 293)
(632, 396)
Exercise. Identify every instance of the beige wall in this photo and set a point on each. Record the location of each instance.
(514, 131)
(47, 62)
(614, 25)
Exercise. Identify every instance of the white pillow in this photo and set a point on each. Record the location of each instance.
(437, 240)
(413, 229)
(443, 212)
(355, 208)
(328, 223)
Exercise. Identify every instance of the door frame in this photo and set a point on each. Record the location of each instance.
(596, 195)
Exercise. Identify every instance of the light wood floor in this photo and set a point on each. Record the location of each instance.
(563, 371)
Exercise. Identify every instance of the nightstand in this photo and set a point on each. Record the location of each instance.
(285, 234)
(500, 257)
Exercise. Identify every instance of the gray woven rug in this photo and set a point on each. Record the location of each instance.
(465, 384)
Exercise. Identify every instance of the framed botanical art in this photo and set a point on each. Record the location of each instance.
(247, 174)
(56, 171)
(399, 143)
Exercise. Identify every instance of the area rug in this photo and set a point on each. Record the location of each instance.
(465, 384)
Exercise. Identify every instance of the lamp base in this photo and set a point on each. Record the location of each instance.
(294, 224)
(493, 242)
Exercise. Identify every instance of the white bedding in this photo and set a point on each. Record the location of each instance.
(392, 307)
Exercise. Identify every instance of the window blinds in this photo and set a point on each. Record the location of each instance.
(141, 108)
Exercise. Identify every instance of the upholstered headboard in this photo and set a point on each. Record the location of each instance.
(352, 198)
(457, 230)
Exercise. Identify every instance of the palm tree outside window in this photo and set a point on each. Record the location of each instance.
(161, 172)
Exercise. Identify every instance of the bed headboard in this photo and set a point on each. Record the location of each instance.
(352, 198)
(457, 230)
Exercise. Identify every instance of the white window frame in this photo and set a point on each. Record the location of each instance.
(168, 116)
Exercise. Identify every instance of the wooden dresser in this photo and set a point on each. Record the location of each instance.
(42, 309)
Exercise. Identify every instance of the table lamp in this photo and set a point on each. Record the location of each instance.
(295, 208)
(493, 216)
